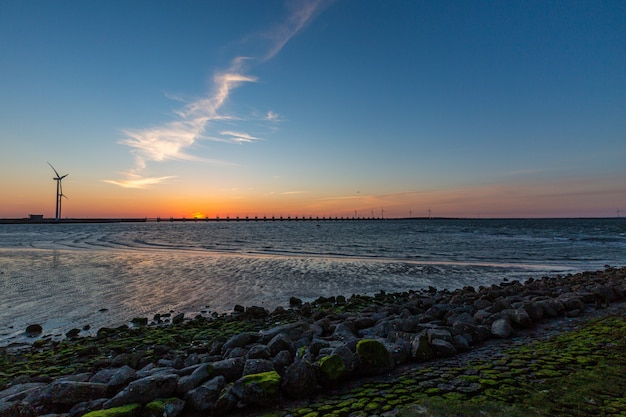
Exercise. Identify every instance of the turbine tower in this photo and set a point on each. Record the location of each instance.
(60, 195)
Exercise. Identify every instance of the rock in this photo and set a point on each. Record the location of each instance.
(461, 343)
(33, 329)
(279, 343)
(282, 360)
(66, 393)
(442, 348)
(83, 408)
(179, 318)
(231, 369)
(420, 349)
(145, 390)
(293, 331)
(374, 358)
(299, 380)
(204, 397)
(139, 321)
(125, 359)
(115, 379)
(534, 311)
(170, 407)
(72, 333)
(239, 308)
(343, 332)
(501, 328)
(18, 392)
(257, 312)
(197, 377)
(349, 358)
(361, 323)
(442, 334)
(520, 317)
(332, 368)
(259, 352)
(238, 352)
(258, 389)
(571, 302)
(400, 351)
(295, 302)
(240, 340)
(257, 366)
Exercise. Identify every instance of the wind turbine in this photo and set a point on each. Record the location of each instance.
(60, 195)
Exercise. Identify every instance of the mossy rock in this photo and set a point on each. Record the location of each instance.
(374, 356)
(164, 407)
(332, 367)
(260, 389)
(131, 410)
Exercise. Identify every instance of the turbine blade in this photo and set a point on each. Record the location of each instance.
(55, 171)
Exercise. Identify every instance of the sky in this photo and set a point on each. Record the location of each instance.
(313, 108)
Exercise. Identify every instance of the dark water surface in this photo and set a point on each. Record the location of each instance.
(70, 275)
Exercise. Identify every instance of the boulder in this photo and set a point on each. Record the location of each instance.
(144, 390)
(169, 407)
(332, 368)
(240, 340)
(501, 329)
(259, 352)
(204, 397)
(279, 343)
(34, 329)
(374, 358)
(420, 349)
(439, 334)
(67, 393)
(231, 369)
(257, 366)
(344, 333)
(534, 311)
(197, 377)
(258, 389)
(282, 360)
(179, 318)
(443, 348)
(299, 380)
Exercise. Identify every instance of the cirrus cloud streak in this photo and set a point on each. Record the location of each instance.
(174, 140)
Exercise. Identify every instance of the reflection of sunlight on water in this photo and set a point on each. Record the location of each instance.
(62, 289)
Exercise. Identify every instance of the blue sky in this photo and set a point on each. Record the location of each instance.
(490, 108)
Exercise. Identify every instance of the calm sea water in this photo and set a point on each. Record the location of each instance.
(71, 275)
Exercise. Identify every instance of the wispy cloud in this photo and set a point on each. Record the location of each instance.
(138, 182)
(301, 14)
(174, 140)
(239, 136)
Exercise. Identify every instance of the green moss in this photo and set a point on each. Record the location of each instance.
(158, 408)
(332, 367)
(268, 382)
(374, 356)
(132, 410)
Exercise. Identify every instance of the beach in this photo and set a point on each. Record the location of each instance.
(289, 359)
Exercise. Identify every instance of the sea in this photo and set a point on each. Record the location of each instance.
(88, 276)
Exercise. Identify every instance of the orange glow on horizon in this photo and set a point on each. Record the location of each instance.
(557, 199)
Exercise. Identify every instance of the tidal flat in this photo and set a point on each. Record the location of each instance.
(550, 346)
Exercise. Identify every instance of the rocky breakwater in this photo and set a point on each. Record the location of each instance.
(315, 346)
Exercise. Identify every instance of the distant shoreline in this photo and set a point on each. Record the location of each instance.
(262, 219)
(203, 219)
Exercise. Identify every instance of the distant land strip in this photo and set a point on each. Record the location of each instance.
(39, 220)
